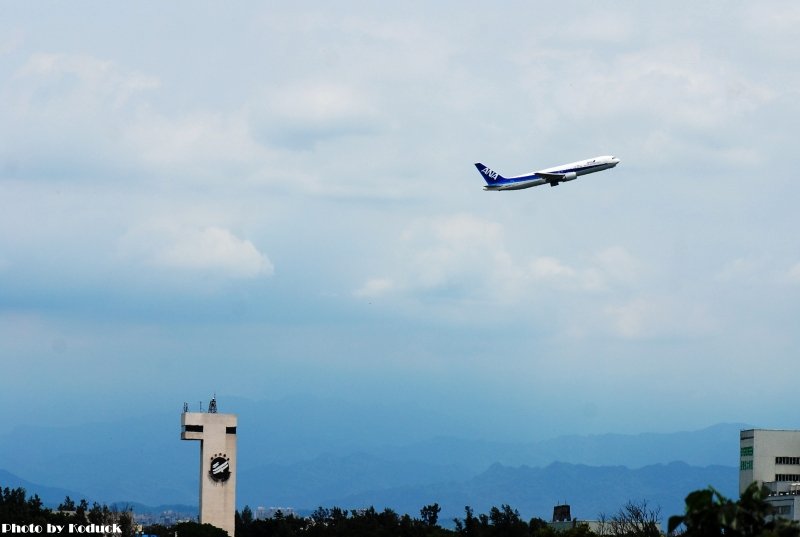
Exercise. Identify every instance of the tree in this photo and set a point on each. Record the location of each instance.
(338, 514)
(126, 522)
(35, 504)
(193, 529)
(502, 522)
(635, 519)
(709, 513)
(321, 515)
(430, 514)
(17, 509)
(540, 528)
(470, 525)
(159, 530)
(67, 505)
(507, 522)
(80, 512)
(247, 515)
(603, 525)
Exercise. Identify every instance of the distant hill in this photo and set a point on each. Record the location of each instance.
(311, 483)
(590, 490)
(361, 481)
(718, 444)
(51, 496)
(333, 455)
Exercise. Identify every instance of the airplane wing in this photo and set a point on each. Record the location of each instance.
(552, 176)
(555, 178)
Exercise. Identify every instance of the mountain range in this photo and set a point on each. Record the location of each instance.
(323, 461)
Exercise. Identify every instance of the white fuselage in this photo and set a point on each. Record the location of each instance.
(582, 167)
(556, 174)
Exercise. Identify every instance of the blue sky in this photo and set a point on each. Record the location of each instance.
(271, 200)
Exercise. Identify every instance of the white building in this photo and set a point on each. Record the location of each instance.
(217, 436)
(772, 458)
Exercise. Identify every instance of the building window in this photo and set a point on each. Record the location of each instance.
(746, 465)
(787, 460)
(783, 509)
(747, 451)
(787, 477)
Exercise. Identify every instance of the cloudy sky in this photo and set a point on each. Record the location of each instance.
(276, 199)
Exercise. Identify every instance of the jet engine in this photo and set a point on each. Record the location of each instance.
(570, 176)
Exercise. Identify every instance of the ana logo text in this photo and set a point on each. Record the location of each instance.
(489, 173)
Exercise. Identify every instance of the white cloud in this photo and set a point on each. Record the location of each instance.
(466, 259)
(775, 20)
(680, 85)
(549, 267)
(11, 41)
(215, 249)
(301, 114)
(210, 249)
(66, 115)
(83, 111)
(634, 318)
(468, 256)
(195, 144)
(375, 287)
(454, 250)
(649, 317)
(322, 102)
(741, 270)
(759, 272)
(559, 275)
(794, 273)
(611, 26)
(71, 85)
(618, 265)
(683, 84)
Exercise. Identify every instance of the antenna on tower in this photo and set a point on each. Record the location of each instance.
(212, 406)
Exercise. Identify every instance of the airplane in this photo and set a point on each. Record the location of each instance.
(553, 176)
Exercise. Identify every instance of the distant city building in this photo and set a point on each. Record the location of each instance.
(165, 518)
(772, 458)
(263, 513)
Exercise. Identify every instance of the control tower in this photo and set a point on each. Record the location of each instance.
(217, 435)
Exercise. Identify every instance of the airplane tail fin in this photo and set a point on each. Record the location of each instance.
(490, 176)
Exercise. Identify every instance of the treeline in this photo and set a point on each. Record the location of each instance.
(708, 514)
(17, 509)
(499, 522)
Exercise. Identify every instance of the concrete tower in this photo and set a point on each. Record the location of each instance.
(217, 435)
